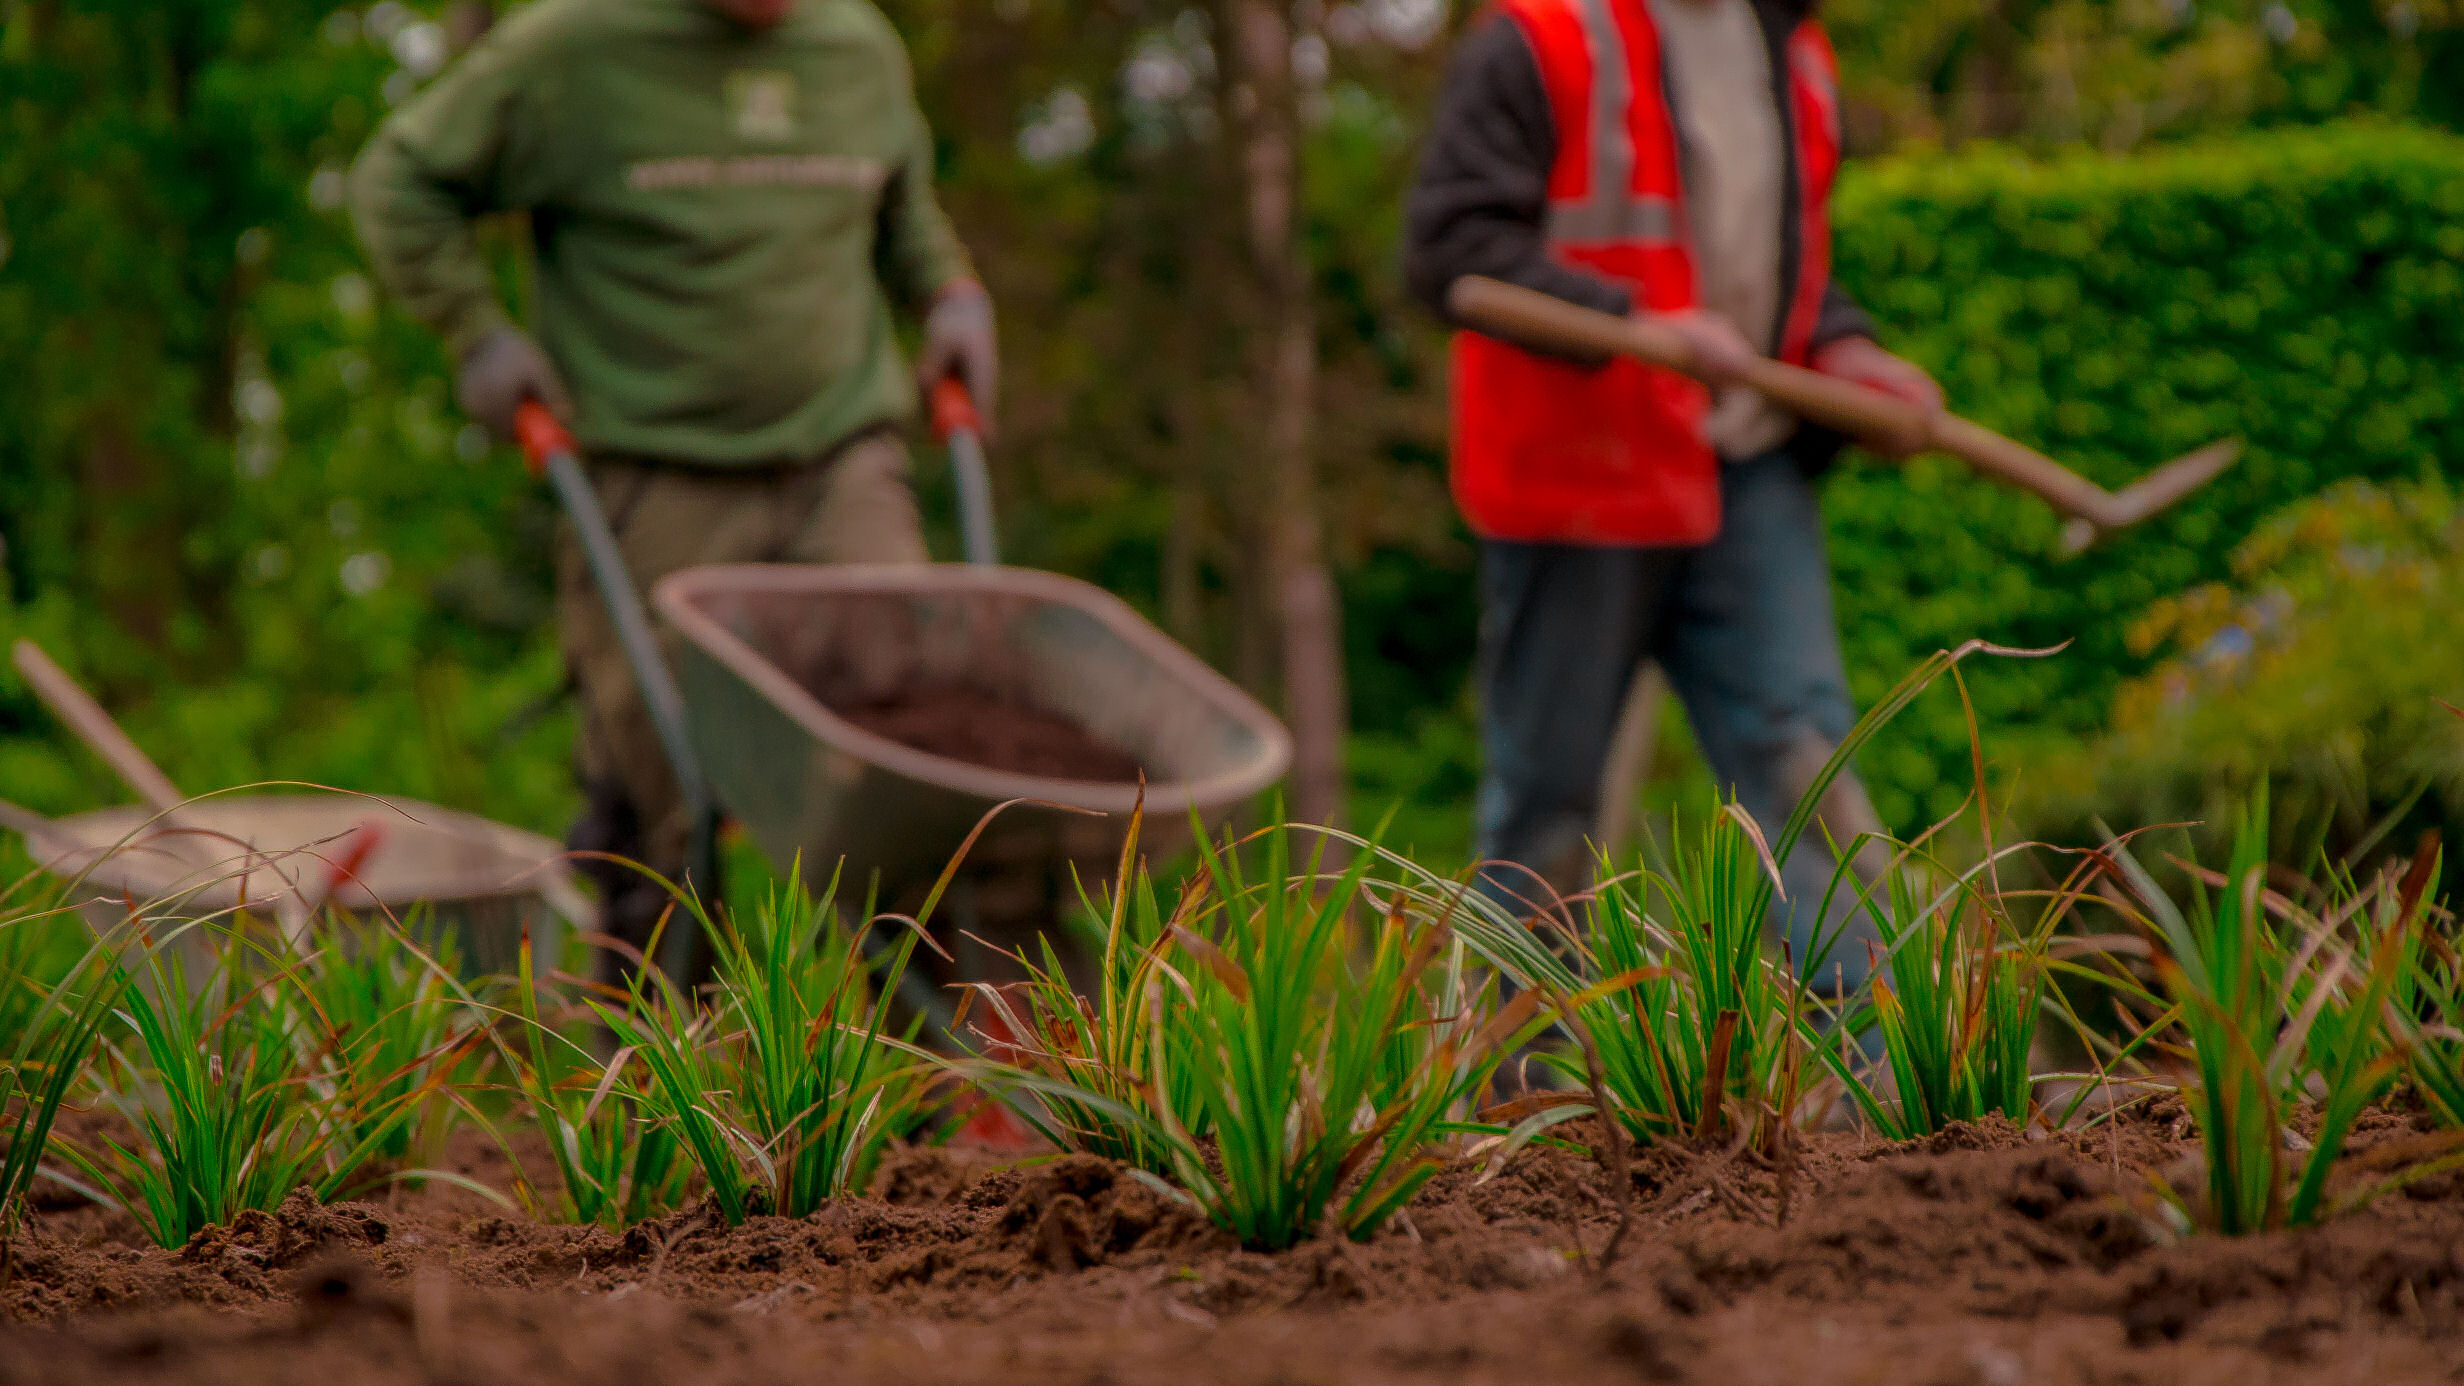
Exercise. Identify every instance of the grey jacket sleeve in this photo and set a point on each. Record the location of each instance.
(1479, 199)
(1839, 317)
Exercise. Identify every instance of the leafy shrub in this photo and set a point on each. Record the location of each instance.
(2316, 673)
(2297, 288)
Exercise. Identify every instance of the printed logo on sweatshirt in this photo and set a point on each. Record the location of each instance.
(763, 104)
(758, 171)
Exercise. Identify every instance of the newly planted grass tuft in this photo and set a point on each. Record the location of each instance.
(1956, 998)
(55, 1016)
(1079, 1069)
(2276, 1004)
(614, 1166)
(1696, 1026)
(1292, 1049)
(235, 1090)
(391, 1021)
(780, 1086)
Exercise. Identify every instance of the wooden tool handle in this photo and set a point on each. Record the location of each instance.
(1841, 404)
(1533, 319)
(86, 718)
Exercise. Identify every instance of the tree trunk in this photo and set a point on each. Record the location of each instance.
(1266, 106)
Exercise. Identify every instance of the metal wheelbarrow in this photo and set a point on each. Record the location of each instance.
(190, 868)
(772, 653)
(485, 884)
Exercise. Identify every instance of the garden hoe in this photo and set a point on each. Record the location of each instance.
(1532, 318)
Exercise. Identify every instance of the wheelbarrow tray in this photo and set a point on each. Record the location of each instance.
(483, 881)
(767, 649)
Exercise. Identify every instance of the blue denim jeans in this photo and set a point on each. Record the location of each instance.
(1743, 628)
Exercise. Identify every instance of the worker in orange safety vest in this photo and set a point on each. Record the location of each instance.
(1669, 158)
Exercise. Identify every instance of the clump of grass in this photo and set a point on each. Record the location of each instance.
(2272, 1013)
(389, 1020)
(55, 1017)
(2429, 1008)
(1078, 1069)
(614, 1165)
(781, 1086)
(1280, 1049)
(1956, 997)
(1694, 1025)
(235, 1092)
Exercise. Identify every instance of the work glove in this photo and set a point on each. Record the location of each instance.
(1862, 361)
(501, 370)
(958, 340)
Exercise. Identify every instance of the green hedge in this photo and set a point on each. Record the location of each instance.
(2302, 289)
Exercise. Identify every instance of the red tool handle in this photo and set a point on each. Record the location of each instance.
(540, 435)
(361, 844)
(954, 410)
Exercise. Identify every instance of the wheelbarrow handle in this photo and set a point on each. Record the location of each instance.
(549, 449)
(957, 424)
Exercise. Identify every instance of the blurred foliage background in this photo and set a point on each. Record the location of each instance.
(236, 499)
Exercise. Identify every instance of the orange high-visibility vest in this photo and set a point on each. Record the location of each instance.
(1546, 450)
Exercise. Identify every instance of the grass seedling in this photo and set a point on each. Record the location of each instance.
(1955, 999)
(1695, 1026)
(783, 1088)
(1292, 1066)
(614, 1166)
(388, 1018)
(2429, 1009)
(55, 1026)
(1693, 1022)
(235, 1097)
(1077, 1069)
(2268, 1013)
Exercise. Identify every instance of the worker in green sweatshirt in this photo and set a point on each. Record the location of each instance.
(727, 199)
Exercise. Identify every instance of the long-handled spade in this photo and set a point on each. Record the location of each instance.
(551, 453)
(1532, 318)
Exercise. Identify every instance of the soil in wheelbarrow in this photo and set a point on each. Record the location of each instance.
(983, 728)
(1981, 1257)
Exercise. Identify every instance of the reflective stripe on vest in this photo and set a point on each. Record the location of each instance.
(1554, 451)
(1613, 211)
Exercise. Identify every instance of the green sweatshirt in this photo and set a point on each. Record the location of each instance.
(721, 217)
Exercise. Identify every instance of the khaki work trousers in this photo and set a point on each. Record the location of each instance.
(851, 507)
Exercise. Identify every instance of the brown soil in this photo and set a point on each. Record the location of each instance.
(982, 728)
(1981, 1256)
